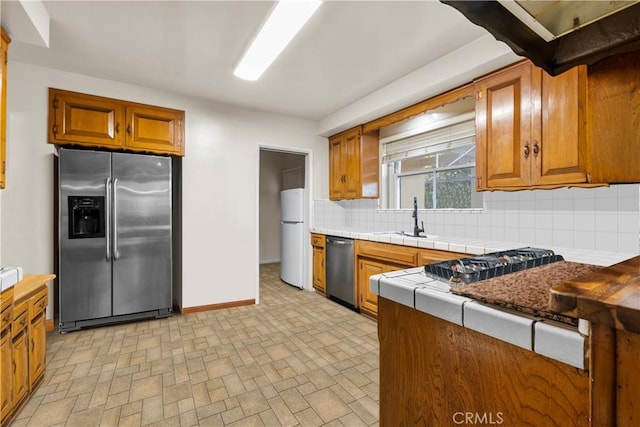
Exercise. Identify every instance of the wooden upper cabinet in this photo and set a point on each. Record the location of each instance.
(155, 129)
(353, 165)
(503, 127)
(337, 175)
(94, 121)
(614, 119)
(530, 128)
(559, 130)
(4, 47)
(85, 119)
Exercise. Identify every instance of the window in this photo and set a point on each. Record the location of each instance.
(437, 166)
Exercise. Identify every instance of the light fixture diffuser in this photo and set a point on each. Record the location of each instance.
(286, 19)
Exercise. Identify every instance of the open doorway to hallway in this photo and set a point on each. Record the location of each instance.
(280, 171)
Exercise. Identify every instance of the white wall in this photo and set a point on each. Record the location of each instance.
(220, 176)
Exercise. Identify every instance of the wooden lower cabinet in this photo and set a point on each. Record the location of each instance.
(6, 355)
(376, 258)
(22, 343)
(38, 339)
(366, 268)
(6, 365)
(318, 242)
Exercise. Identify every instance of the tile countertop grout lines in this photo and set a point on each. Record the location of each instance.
(477, 246)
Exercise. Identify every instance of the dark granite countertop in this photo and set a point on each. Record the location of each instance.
(528, 291)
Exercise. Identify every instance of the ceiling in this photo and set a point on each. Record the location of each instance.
(345, 52)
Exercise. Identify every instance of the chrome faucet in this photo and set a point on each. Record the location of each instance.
(416, 230)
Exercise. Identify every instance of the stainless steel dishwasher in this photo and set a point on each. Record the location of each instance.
(340, 277)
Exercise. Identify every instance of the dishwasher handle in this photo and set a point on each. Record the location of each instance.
(339, 242)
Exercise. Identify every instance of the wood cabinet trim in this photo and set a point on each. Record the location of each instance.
(419, 108)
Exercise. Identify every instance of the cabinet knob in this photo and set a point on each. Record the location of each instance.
(129, 129)
(536, 148)
(526, 149)
(117, 127)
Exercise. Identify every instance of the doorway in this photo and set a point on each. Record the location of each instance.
(280, 170)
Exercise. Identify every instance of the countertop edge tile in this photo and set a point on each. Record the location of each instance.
(400, 293)
(443, 305)
(559, 343)
(499, 324)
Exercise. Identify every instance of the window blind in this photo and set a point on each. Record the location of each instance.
(456, 135)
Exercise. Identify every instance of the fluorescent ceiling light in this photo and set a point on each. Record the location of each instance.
(286, 19)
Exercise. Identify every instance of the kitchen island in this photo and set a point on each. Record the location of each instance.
(446, 359)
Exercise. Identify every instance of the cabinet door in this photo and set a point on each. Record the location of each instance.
(20, 366)
(155, 129)
(503, 128)
(352, 162)
(37, 336)
(337, 175)
(6, 367)
(319, 269)
(88, 120)
(559, 129)
(4, 45)
(366, 269)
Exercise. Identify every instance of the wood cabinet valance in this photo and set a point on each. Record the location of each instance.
(94, 121)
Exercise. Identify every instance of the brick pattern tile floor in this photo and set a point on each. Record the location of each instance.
(294, 359)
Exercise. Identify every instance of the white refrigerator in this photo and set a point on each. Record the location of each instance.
(292, 236)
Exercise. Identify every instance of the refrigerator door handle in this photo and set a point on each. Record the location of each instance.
(108, 219)
(116, 254)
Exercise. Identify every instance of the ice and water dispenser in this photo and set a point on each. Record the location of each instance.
(86, 217)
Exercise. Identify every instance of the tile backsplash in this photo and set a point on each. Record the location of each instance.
(604, 219)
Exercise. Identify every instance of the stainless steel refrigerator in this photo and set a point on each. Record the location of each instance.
(114, 253)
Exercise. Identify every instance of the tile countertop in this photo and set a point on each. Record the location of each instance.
(478, 246)
(412, 288)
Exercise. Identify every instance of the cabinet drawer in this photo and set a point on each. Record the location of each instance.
(20, 318)
(38, 303)
(387, 252)
(6, 317)
(428, 256)
(318, 240)
(6, 299)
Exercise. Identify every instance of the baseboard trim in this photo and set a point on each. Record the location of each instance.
(48, 325)
(231, 304)
(269, 261)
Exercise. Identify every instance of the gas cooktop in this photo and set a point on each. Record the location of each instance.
(473, 269)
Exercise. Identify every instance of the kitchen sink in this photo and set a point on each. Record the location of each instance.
(404, 234)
